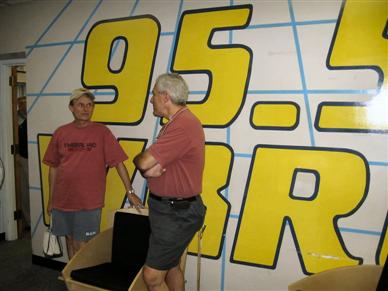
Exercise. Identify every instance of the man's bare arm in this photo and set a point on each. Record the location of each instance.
(51, 180)
(155, 171)
(132, 197)
(148, 165)
(144, 161)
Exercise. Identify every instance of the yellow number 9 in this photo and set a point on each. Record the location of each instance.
(131, 82)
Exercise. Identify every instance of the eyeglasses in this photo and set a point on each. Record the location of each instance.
(84, 106)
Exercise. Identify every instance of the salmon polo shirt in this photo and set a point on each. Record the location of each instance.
(81, 157)
(180, 149)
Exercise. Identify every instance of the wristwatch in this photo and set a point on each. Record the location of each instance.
(131, 191)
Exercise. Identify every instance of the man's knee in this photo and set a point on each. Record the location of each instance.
(175, 271)
(153, 277)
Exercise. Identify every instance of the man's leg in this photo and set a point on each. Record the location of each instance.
(73, 246)
(175, 280)
(69, 246)
(155, 279)
(84, 226)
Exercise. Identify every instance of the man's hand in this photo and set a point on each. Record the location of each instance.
(156, 171)
(49, 208)
(134, 200)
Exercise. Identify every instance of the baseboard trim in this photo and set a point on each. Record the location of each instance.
(49, 263)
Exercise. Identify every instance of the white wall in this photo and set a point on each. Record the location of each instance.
(284, 199)
(23, 23)
(7, 192)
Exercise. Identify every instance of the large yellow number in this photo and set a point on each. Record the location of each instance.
(132, 81)
(382, 251)
(43, 142)
(227, 66)
(269, 202)
(359, 43)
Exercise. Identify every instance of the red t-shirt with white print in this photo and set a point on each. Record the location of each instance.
(81, 157)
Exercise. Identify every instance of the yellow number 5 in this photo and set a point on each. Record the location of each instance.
(228, 66)
(360, 43)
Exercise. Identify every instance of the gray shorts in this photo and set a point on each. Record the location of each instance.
(172, 229)
(82, 225)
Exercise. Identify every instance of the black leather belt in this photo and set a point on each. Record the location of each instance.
(156, 197)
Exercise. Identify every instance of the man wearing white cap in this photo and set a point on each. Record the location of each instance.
(78, 155)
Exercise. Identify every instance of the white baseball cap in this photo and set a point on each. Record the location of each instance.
(77, 93)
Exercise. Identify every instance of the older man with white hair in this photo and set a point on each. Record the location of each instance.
(173, 166)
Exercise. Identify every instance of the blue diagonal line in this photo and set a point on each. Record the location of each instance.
(167, 33)
(35, 188)
(269, 25)
(174, 38)
(344, 91)
(134, 7)
(376, 163)
(60, 43)
(275, 91)
(360, 231)
(242, 155)
(36, 225)
(63, 57)
(286, 24)
(302, 75)
(315, 22)
(50, 25)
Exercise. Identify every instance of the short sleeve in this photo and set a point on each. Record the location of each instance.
(113, 152)
(171, 146)
(51, 157)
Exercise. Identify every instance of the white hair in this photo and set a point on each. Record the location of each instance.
(175, 86)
